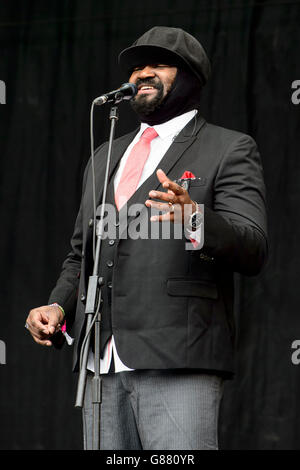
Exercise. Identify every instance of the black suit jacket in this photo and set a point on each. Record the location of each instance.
(173, 308)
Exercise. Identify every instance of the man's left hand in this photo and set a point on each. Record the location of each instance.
(177, 204)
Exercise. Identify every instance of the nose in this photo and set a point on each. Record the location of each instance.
(147, 71)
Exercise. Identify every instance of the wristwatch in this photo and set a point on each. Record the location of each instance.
(196, 218)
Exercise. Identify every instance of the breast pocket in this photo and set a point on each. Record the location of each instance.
(201, 181)
(191, 182)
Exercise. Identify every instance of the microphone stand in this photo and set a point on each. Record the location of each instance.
(93, 306)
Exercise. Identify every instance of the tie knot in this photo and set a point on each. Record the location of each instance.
(149, 134)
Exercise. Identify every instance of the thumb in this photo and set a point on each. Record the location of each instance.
(53, 322)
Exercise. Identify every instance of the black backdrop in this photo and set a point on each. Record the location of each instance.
(55, 57)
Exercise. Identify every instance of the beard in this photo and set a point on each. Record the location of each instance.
(184, 95)
(145, 105)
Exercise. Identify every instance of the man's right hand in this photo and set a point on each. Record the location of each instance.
(43, 322)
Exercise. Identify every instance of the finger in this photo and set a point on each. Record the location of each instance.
(41, 335)
(169, 184)
(55, 319)
(162, 177)
(160, 206)
(37, 327)
(54, 328)
(174, 187)
(42, 342)
(168, 197)
(164, 180)
(163, 217)
(38, 316)
(43, 315)
(53, 324)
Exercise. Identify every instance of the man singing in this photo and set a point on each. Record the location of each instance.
(167, 329)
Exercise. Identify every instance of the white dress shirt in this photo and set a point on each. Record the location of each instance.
(159, 146)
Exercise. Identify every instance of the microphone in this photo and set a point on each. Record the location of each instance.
(126, 92)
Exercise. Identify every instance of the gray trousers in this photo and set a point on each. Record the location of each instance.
(155, 410)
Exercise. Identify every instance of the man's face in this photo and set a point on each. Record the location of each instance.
(154, 83)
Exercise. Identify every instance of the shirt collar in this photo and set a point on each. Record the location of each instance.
(172, 127)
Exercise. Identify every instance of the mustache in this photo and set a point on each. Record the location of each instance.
(156, 83)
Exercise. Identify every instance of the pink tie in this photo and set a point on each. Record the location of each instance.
(134, 167)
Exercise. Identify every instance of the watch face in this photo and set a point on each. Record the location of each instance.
(196, 219)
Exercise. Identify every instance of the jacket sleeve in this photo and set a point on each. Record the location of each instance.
(66, 289)
(235, 230)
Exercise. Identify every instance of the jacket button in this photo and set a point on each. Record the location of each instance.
(82, 297)
(109, 263)
(111, 242)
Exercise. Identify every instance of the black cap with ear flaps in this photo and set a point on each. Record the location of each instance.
(173, 46)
